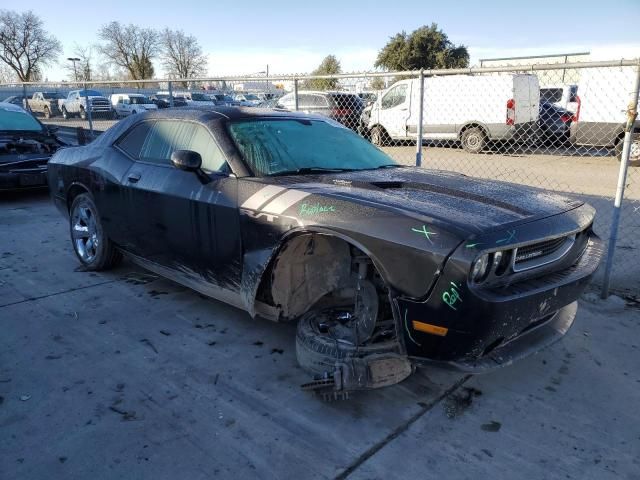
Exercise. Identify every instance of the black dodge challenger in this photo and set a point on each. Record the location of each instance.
(293, 217)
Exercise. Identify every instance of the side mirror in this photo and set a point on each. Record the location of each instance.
(187, 160)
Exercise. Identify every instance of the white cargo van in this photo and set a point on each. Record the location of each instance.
(125, 104)
(603, 97)
(472, 109)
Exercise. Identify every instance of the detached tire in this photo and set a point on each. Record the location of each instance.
(318, 353)
(473, 140)
(90, 243)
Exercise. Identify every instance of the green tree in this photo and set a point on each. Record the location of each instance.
(377, 83)
(426, 47)
(329, 66)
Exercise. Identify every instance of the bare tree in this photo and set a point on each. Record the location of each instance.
(131, 48)
(182, 56)
(7, 75)
(25, 46)
(82, 70)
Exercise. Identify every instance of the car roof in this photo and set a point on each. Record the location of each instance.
(207, 113)
(11, 107)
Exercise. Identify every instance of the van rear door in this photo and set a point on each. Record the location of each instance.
(526, 94)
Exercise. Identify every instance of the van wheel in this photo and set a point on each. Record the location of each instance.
(473, 140)
(379, 137)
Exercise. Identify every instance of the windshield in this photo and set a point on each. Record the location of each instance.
(140, 100)
(551, 95)
(272, 146)
(12, 121)
(90, 93)
(200, 97)
(251, 97)
(51, 95)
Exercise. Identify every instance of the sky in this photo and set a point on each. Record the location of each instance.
(242, 38)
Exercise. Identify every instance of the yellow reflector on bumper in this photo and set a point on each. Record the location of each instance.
(428, 328)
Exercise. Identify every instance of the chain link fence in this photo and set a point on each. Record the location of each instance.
(558, 127)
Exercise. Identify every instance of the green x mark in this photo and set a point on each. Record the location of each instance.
(425, 232)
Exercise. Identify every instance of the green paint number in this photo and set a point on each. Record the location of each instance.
(452, 296)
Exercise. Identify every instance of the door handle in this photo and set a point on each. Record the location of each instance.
(133, 177)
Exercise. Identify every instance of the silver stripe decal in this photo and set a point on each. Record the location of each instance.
(261, 197)
(284, 201)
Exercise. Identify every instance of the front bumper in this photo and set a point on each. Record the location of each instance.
(488, 327)
(539, 335)
(23, 178)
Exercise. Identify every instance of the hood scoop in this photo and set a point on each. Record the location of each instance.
(388, 184)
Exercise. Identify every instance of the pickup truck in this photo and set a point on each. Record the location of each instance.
(76, 104)
(45, 103)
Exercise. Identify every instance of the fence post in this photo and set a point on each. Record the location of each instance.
(25, 103)
(89, 111)
(295, 93)
(632, 113)
(170, 93)
(420, 121)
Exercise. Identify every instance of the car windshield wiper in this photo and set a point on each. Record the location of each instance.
(304, 170)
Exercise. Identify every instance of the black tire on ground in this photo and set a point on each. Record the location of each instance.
(83, 113)
(65, 114)
(379, 137)
(318, 353)
(85, 226)
(473, 140)
(47, 112)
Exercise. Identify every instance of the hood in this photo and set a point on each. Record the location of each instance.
(468, 204)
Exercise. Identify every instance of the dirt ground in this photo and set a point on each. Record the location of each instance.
(125, 375)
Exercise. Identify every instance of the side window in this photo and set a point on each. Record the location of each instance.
(157, 147)
(133, 141)
(394, 97)
(305, 101)
(317, 101)
(190, 136)
(287, 101)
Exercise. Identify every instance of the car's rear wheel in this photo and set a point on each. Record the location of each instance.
(65, 114)
(47, 112)
(83, 114)
(473, 140)
(90, 243)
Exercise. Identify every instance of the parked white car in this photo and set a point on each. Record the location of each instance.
(125, 104)
(603, 97)
(196, 98)
(472, 109)
(247, 99)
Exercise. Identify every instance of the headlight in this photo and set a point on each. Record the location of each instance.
(480, 268)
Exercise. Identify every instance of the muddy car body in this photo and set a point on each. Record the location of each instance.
(383, 266)
(25, 148)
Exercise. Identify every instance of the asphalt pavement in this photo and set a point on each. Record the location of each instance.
(122, 374)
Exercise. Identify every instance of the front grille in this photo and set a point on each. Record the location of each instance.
(541, 253)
